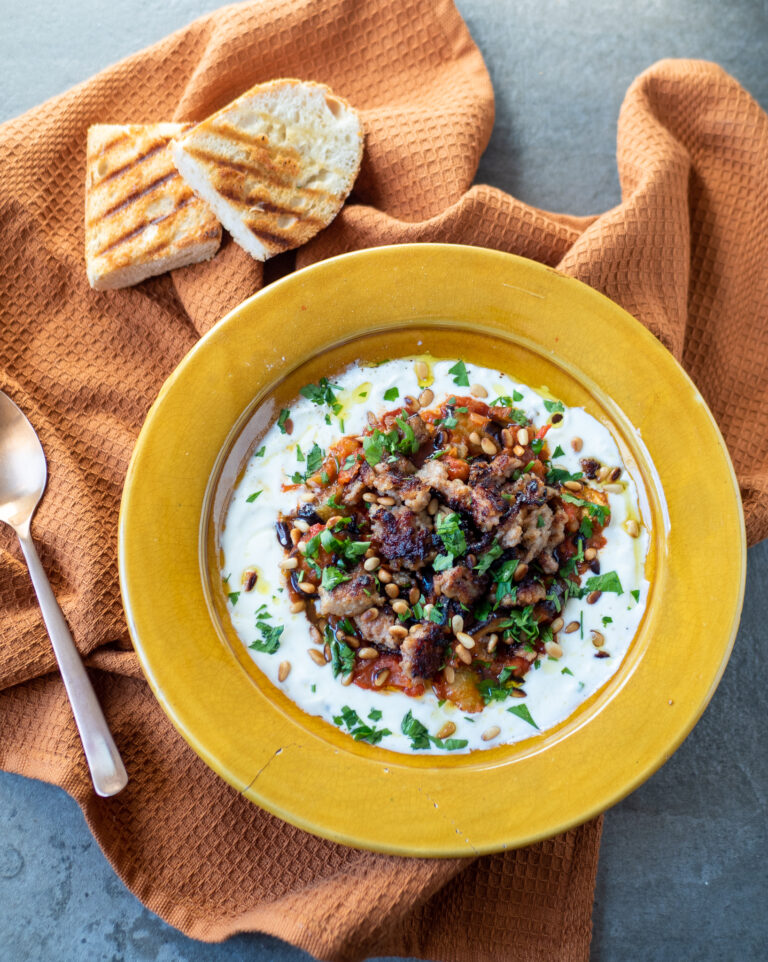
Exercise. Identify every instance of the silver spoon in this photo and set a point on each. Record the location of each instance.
(23, 475)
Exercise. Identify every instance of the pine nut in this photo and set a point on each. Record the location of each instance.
(506, 438)
(590, 554)
(493, 640)
(490, 733)
(449, 674)
(380, 679)
(463, 655)
(446, 730)
(488, 446)
(369, 615)
(598, 638)
(432, 507)
(347, 680)
(249, 580)
(467, 640)
(298, 606)
(384, 576)
(577, 444)
(520, 572)
(517, 693)
(553, 649)
(397, 631)
(632, 528)
(295, 536)
(572, 485)
(477, 390)
(557, 625)
(615, 474)
(571, 627)
(306, 497)
(315, 634)
(411, 404)
(391, 590)
(426, 397)
(523, 437)
(372, 563)
(351, 641)
(367, 654)
(593, 596)
(421, 369)
(613, 488)
(307, 587)
(602, 474)
(474, 437)
(370, 497)
(283, 670)
(302, 525)
(333, 521)
(288, 564)
(386, 501)
(400, 607)
(317, 656)
(457, 624)
(518, 451)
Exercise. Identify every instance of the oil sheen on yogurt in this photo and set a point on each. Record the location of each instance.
(555, 688)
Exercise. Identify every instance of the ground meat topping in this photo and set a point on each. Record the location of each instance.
(442, 545)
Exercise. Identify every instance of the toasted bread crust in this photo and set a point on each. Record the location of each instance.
(276, 164)
(141, 219)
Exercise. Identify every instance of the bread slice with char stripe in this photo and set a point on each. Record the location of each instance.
(141, 218)
(276, 164)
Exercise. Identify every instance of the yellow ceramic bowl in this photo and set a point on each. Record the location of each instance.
(492, 309)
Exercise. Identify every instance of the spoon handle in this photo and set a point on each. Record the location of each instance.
(107, 769)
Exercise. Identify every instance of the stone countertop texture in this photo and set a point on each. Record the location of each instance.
(684, 860)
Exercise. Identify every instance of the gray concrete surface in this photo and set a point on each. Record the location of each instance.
(683, 864)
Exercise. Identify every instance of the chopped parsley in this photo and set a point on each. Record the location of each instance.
(558, 453)
(558, 475)
(606, 620)
(260, 452)
(635, 594)
(313, 460)
(450, 533)
(332, 577)
(252, 497)
(566, 671)
(522, 712)
(322, 393)
(392, 394)
(487, 558)
(374, 714)
(517, 396)
(270, 634)
(460, 376)
(284, 415)
(496, 689)
(357, 728)
(233, 596)
(342, 656)
(605, 582)
(599, 512)
(420, 737)
(554, 407)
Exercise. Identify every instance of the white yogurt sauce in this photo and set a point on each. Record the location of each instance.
(554, 689)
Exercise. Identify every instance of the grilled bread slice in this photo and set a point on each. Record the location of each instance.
(141, 218)
(276, 164)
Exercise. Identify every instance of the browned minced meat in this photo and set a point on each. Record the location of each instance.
(493, 516)
(401, 537)
(461, 584)
(351, 597)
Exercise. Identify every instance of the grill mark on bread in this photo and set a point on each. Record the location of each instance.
(135, 161)
(136, 195)
(274, 240)
(263, 173)
(105, 148)
(255, 205)
(188, 198)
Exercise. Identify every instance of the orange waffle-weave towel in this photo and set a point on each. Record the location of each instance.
(685, 252)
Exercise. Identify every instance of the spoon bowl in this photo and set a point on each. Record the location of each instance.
(23, 475)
